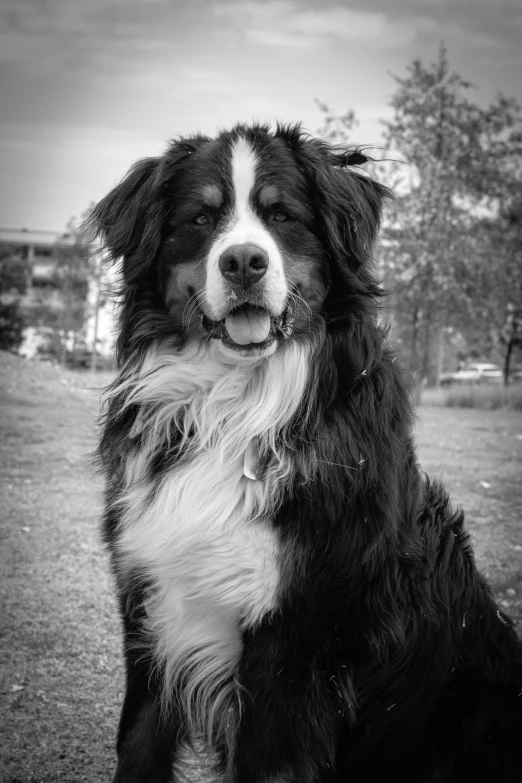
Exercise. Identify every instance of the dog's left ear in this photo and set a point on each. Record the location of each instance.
(348, 202)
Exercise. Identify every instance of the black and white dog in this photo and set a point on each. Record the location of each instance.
(292, 588)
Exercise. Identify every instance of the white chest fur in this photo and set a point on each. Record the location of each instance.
(202, 535)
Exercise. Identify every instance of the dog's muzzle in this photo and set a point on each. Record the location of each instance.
(250, 327)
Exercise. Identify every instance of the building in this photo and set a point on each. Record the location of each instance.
(37, 251)
(35, 247)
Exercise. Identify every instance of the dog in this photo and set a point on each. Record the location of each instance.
(294, 591)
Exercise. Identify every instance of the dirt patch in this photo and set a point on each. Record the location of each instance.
(61, 678)
(61, 683)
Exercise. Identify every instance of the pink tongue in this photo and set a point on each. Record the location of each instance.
(248, 325)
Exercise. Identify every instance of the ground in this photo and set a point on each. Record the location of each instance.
(61, 680)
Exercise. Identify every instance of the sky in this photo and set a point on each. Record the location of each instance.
(89, 86)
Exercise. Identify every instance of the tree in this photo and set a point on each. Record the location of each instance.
(336, 127)
(504, 234)
(462, 161)
(71, 277)
(461, 156)
(63, 305)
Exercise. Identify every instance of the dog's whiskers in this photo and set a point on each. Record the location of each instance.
(190, 308)
(298, 300)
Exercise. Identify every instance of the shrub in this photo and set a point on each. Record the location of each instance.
(11, 326)
(485, 397)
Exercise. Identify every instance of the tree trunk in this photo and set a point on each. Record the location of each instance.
(414, 338)
(95, 327)
(64, 349)
(507, 361)
(426, 348)
(73, 348)
(440, 356)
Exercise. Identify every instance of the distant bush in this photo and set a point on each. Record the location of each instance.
(11, 326)
(488, 398)
(13, 284)
(41, 342)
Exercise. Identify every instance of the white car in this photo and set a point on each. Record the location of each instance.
(480, 372)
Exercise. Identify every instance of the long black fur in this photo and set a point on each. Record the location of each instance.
(388, 658)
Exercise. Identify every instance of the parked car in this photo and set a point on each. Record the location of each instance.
(480, 372)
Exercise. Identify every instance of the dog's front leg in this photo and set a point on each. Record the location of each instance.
(290, 720)
(146, 739)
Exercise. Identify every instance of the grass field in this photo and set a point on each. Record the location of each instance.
(61, 681)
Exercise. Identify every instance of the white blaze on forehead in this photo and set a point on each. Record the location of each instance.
(244, 164)
(244, 226)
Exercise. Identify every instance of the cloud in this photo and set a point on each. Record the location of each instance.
(286, 23)
(198, 78)
(94, 139)
(75, 34)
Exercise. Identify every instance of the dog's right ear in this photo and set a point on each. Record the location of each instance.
(129, 220)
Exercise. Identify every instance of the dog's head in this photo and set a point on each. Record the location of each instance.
(249, 239)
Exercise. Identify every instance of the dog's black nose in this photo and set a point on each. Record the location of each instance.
(243, 265)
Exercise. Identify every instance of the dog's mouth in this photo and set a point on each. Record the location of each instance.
(250, 328)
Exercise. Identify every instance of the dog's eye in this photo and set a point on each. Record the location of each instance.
(202, 220)
(280, 217)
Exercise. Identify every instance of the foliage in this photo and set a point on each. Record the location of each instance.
(445, 245)
(63, 305)
(72, 274)
(509, 305)
(11, 326)
(13, 273)
(335, 126)
(462, 156)
(13, 285)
